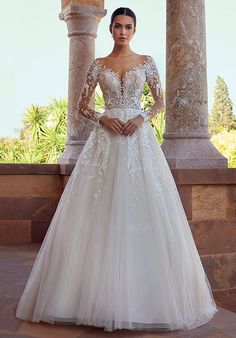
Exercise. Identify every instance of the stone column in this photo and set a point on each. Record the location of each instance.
(82, 19)
(187, 140)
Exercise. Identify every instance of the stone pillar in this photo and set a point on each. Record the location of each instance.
(187, 140)
(82, 19)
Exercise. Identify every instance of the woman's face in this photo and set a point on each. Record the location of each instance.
(122, 29)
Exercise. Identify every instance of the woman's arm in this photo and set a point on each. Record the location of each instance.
(115, 125)
(153, 80)
(84, 101)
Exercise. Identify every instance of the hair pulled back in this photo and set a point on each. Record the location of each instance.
(123, 11)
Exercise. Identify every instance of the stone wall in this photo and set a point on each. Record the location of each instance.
(29, 195)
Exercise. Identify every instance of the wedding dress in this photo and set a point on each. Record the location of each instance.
(119, 252)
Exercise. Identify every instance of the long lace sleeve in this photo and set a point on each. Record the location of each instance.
(153, 80)
(84, 101)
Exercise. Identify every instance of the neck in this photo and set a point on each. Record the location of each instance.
(121, 51)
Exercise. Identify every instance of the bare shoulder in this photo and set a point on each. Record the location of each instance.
(148, 58)
(102, 60)
(140, 58)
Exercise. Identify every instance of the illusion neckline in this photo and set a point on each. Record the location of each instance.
(121, 79)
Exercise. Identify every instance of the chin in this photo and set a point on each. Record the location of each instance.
(122, 43)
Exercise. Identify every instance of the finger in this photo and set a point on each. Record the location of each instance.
(118, 125)
(128, 130)
(121, 122)
(117, 128)
(112, 129)
(126, 126)
(133, 131)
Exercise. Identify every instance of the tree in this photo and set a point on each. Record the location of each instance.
(221, 117)
(33, 122)
(158, 121)
(43, 135)
(225, 142)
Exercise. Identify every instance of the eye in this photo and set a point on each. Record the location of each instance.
(129, 27)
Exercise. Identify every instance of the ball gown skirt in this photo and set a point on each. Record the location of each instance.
(119, 252)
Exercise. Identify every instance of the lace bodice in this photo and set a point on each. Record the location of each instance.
(122, 92)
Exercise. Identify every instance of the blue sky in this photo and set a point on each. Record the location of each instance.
(35, 47)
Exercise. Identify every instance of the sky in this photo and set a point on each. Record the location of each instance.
(34, 54)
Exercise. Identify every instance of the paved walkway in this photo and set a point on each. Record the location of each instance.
(15, 265)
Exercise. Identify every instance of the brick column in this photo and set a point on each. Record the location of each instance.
(187, 140)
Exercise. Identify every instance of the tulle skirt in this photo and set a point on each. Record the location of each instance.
(119, 252)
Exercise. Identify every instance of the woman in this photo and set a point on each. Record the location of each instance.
(119, 252)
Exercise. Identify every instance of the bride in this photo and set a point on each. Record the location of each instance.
(119, 252)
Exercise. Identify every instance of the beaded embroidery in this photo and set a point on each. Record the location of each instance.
(123, 100)
(118, 93)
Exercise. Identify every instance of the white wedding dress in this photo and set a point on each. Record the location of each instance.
(119, 252)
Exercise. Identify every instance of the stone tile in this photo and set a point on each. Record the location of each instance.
(226, 299)
(44, 330)
(100, 333)
(28, 250)
(30, 185)
(226, 322)
(209, 202)
(4, 334)
(10, 290)
(66, 169)
(205, 176)
(206, 331)
(221, 270)
(29, 169)
(46, 210)
(38, 230)
(9, 322)
(214, 236)
(15, 232)
(5, 302)
(185, 192)
(221, 326)
(158, 335)
(27, 208)
(232, 193)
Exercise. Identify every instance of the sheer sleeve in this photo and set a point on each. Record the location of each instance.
(84, 101)
(153, 80)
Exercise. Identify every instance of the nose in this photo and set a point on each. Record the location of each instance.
(122, 32)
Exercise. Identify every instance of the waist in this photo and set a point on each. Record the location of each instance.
(124, 113)
(121, 109)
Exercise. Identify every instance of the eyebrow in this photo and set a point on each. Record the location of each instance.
(128, 24)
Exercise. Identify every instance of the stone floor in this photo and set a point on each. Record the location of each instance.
(15, 265)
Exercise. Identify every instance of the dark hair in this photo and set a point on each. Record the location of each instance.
(123, 11)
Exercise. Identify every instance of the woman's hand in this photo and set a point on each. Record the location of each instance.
(114, 124)
(132, 125)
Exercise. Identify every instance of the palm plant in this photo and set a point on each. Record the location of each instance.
(99, 101)
(10, 150)
(33, 122)
(158, 124)
(30, 155)
(158, 121)
(42, 138)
